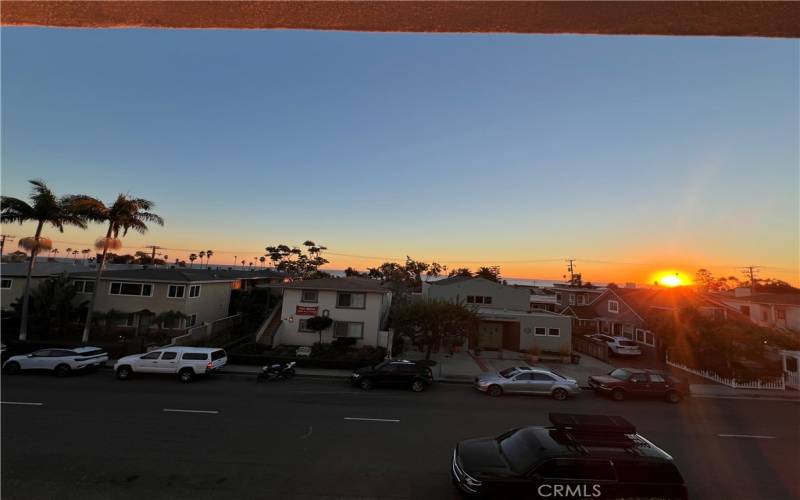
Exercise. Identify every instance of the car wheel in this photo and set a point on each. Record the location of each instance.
(366, 384)
(673, 397)
(12, 368)
(186, 375)
(560, 394)
(418, 386)
(61, 370)
(124, 372)
(618, 395)
(494, 391)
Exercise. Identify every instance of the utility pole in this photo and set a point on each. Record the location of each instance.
(153, 256)
(3, 238)
(751, 272)
(574, 279)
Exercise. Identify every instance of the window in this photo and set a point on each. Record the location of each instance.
(656, 378)
(649, 338)
(619, 374)
(478, 299)
(639, 378)
(194, 291)
(524, 377)
(578, 470)
(302, 326)
(582, 299)
(539, 331)
(613, 306)
(639, 335)
(309, 296)
(780, 314)
(5, 284)
(195, 356)
(169, 355)
(572, 299)
(348, 329)
(487, 300)
(351, 300)
(123, 320)
(470, 299)
(558, 298)
(134, 289)
(176, 291)
(152, 355)
(83, 286)
(218, 354)
(554, 332)
(745, 310)
(542, 377)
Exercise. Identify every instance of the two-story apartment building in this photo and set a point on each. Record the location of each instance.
(506, 318)
(358, 307)
(14, 274)
(569, 295)
(775, 310)
(137, 296)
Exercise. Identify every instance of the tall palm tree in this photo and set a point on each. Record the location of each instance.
(124, 214)
(74, 256)
(46, 208)
(85, 253)
(192, 258)
(202, 254)
(262, 259)
(69, 252)
(209, 253)
(55, 253)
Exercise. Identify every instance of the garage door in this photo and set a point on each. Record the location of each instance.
(490, 335)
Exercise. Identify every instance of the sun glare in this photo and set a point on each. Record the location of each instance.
(670, 279)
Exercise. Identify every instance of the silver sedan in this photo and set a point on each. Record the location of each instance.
(527, 380)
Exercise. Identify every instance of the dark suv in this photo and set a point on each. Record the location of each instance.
(624, 382)
(393, 373)
(579, 456)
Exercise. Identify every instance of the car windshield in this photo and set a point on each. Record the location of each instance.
(508, 372)
(620, 374)
(518, 448)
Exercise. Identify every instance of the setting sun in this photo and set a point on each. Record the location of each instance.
(670, 279)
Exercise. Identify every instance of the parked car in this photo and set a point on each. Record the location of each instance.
(60, 361)
(186, 362)
(393, 373)
(632, 382)
(527, 380)
(580, 456)
(621, 346)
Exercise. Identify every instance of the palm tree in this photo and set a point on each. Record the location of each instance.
(74, 256)
(46, 208)
(69, 252)
(192, 258)
(202, 254)
(262, 259)
(124, 214)
(243, 263)
(209, 253)
(85, 253)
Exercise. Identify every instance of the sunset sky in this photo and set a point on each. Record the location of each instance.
(631, 154)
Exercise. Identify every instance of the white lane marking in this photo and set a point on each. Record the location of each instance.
(310, 430)
(391, 420)
(22, 403)
(745, 436)
(213, 412)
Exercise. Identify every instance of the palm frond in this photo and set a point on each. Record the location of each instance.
(15, 210)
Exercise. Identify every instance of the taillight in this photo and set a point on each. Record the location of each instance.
(210, 365)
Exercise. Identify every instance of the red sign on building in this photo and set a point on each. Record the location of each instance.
(306, 310)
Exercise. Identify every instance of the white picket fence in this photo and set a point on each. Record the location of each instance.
(792, 380)
(777, 383)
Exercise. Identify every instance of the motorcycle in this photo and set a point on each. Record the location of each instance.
(277, 371)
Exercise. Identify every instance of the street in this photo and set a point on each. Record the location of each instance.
(92, 436)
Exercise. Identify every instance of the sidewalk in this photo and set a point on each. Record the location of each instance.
(723, 391)
(456, 367)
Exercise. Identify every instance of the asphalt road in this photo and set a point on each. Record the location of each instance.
(95, 437)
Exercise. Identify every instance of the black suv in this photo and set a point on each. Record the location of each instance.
(393, 373)
(579, 456)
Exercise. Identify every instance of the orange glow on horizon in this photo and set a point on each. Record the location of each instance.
(671, 279)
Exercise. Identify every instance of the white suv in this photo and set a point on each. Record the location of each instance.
(186, 362)
(621, 346)
(61, 361)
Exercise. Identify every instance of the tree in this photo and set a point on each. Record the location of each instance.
(612, 286)
(771, 285)
(318, 324)
(350, 272)
(461, 271)
(294, 262)
(193, 257)
(85, 253)
(201, 255)
(431, 321)
(46, 208)
(405, 277)
(489, 273)
(123, 214)
(51, 305)
(262, 259)
(209, 253)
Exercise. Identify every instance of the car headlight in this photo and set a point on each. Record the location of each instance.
(602, 386)
(356, 375)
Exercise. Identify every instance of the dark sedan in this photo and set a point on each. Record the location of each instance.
(631, 382)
